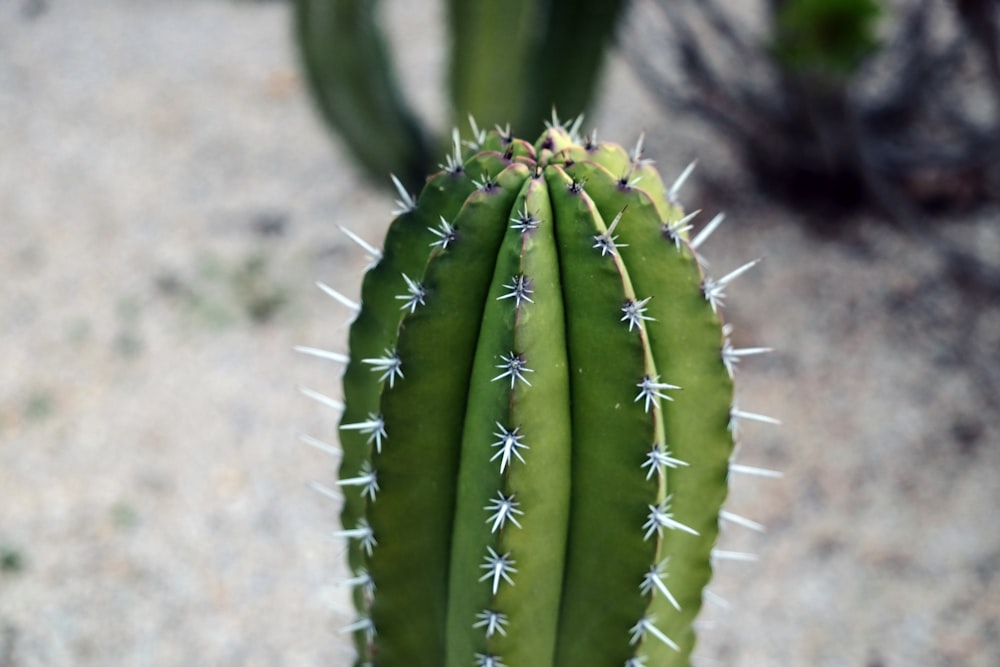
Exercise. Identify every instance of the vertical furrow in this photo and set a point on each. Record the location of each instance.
(424, 414)
(686, 341)
(513, 498)
(616, 394)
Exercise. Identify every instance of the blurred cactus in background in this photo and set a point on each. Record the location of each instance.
(511, 61)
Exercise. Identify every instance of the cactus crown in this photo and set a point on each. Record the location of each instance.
(538, 415)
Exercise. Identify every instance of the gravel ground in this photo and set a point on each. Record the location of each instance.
(167, 198)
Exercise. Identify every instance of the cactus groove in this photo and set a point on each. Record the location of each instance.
(537, 420)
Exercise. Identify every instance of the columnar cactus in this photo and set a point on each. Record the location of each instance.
(538, 415)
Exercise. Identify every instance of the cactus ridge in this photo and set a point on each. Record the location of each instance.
(538, 417)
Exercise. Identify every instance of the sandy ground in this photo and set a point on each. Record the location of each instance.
(168, 197)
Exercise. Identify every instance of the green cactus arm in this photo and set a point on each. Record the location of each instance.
(492, 51)
(422, 225)
(569, 50)
(348, 70)
(424, 414)
(608, 551)
(524, 317)
(685, 336)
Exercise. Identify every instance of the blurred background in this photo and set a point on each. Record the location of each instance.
(169, 193)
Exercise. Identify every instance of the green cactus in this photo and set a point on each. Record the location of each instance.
(538, 415)
(548, 51)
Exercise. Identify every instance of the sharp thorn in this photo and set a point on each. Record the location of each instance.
(753, 416)
(320, 445)
(679, 183)
(707, 230)
(733, 275)
(742, 521)
(354, 306)
(364, 245)
(323, 354)
(406, 203)
(742, 556)
(326, 491)
(323, 399)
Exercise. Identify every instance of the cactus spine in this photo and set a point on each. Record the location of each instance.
(538, 409)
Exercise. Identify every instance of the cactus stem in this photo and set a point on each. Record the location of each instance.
(654, 579)
(390, 366)
(732, 517)
(498, 566)
(325, 490)
(607, 242)
(323, 399)
(707, 230)
(525, 222)
(514, 368)
(757, 472)
(487, 660)
(320, 445)
(363, 533)
(520, 290)
(375, 253)
(406, 203)
(352, 305)
(508, 446)
(675, 231)
(679, 183)
(367, 480)
(493, 621)
(635, 312)
(657, 460)
(651, 389)
(645, 625)
(339, 357)
(414, 296)
(661, 517)
(446, 233)
(503, 508)
(373, 427)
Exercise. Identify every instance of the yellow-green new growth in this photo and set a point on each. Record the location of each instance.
(538, 416)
